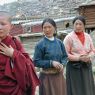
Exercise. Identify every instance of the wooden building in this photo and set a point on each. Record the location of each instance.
(32, 27)
(88, 11)
(36, 26)
(22, 27)
(16, 29)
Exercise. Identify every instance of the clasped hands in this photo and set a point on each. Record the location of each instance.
(85, 58)
(57, 65)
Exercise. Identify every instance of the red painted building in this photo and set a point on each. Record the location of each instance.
(16, 29)
(36, 26)
(21, 27)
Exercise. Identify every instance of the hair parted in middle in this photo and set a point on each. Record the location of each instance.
(81, 18)
(52, 22)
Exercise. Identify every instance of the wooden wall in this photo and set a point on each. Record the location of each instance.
(89, 13)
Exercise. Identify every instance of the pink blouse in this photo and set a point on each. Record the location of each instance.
(75, 48)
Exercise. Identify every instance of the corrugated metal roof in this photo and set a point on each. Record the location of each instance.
(88, 3)
(39, 22)
(20, 21)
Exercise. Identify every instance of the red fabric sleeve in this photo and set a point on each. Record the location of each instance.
(23, 69)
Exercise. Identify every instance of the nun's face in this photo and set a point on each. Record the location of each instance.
(48, 29)
(79, 26)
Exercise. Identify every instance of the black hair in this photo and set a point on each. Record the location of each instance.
(81, 18)
(67, 25)
(51, 21)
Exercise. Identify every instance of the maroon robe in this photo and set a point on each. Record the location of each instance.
(17, 74)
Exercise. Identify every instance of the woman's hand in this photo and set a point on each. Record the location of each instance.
(4, 49)
(57, 65)
(85, 58)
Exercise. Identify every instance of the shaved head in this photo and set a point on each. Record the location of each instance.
(6, 14)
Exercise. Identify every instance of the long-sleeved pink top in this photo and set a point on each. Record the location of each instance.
(75, 48)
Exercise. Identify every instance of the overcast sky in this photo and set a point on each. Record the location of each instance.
(6, 1)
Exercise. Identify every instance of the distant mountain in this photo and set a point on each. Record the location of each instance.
(43, 8)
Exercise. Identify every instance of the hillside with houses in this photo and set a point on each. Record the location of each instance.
(43, 8)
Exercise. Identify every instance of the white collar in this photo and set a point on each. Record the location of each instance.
(51, 38)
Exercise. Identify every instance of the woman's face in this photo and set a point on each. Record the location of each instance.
(5, 27)
(48, 29)
(78, 26)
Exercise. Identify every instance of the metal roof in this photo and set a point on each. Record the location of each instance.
(88, 3)
(39, 22)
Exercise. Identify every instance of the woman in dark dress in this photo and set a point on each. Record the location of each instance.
(50, 55)
(80, 49)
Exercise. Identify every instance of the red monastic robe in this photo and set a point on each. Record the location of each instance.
(17, 74)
